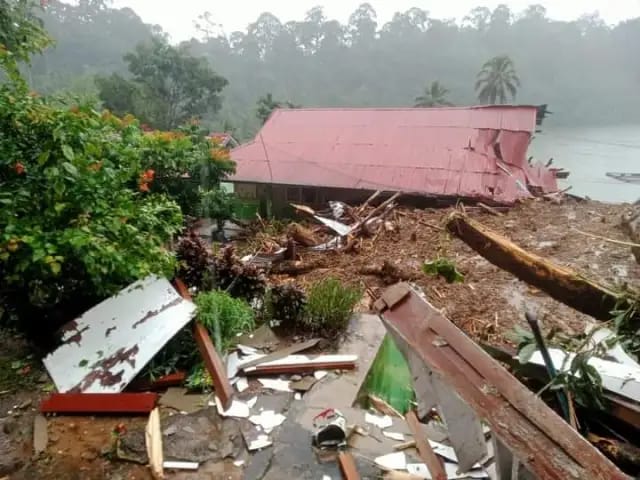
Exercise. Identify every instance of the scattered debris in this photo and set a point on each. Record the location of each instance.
(242, 384)
(305, 384)
(268, 420)
(383, 407)
(398, 437)
(320, 374)
(94, 403)
(380, 422)
(278, 385)
(392, 461)
(238, 408)
(104, 349)
(427, 455)
(181, 465)
(280, 354)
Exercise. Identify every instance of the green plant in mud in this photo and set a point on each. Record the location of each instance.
(286, 304)
(445, 268)
(224, 317)
(330, 305)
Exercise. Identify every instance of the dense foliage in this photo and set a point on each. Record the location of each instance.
(224, 316)
(330, 305)
(76, 222)
(586, 70)
(168, 87)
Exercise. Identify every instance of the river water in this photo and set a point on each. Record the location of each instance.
(589, 153)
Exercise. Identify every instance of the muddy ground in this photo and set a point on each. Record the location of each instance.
(491, 301)
(486, 305)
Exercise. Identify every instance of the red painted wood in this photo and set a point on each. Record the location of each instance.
(121, 403)
(214, 365)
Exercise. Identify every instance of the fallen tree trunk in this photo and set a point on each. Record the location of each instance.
(561, 283)
(293, 267)
(389, 273)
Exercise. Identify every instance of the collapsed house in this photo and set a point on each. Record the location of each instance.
(315, 155)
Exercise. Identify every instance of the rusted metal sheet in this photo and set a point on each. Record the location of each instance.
(104, 349)
(538, 438)
(473, 152)
(96, 403)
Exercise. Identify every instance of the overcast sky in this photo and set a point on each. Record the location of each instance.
(177, 16)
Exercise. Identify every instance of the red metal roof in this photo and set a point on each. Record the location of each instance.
(435, 151)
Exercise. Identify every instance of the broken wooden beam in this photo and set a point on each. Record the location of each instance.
(300, 364)
(561, 283)
(153, 441)
(348, 466)
(537, 437)
(214, 365)
(99, 403)
(283, 353)
(427, 455)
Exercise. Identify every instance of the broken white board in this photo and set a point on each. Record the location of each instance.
(601, 337)
(277, 385)
(169, 465)
(397, 436)
(238, 408)
(618, 378)
(268, 420)
(392, 461)
(105, 348)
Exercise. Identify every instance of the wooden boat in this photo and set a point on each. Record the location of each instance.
(625, 177)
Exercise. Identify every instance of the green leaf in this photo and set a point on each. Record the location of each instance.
(70, 168)
(55, 268)
(83, 363)
(43, 157)
(67, 151)
(526, 352)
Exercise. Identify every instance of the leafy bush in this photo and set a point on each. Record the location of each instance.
(224, 316)
(445, 268)
(330, 305)
(287, 304)
(244, 281)
(74, 225)
(194, 261)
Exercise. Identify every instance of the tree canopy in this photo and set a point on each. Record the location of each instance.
(497, 81)
(168, 86)
(587, 71)
(434, 95)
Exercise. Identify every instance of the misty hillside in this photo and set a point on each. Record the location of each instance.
(588, 72)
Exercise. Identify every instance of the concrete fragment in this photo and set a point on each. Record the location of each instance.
(179, 399)
(268, 420)
(278, 385)
(381, 422)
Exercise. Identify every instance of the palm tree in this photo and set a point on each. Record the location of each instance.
(434, 95)
(497, 82)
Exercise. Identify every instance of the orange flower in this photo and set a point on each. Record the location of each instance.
(19, 168)
(149, 175)
(144, 187)
(96, 166)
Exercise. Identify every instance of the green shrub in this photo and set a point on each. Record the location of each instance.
(330, 305)
(286, 304)
(224, 317)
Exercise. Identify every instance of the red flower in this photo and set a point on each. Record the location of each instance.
(149, 175)
(144, 187)
(19, 168)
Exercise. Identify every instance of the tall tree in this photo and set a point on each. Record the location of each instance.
(497, 81)
(434, 95)
(168, 86)
(267, 104)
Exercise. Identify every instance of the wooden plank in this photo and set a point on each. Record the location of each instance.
(40, 434)
(88, 403)
(153, 441)
(554, 453)
(283, 353)
(348, 466)
(214, 365)
(294, 368)
(427, 455)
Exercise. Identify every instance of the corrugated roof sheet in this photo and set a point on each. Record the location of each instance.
(477, 152)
